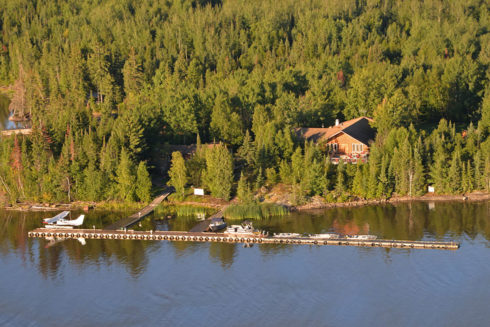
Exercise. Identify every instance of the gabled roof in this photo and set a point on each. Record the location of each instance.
(358, 128)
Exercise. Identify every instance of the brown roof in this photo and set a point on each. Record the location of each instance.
(358, 128)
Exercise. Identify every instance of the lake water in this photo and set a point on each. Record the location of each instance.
(150, 283)
(5, 123)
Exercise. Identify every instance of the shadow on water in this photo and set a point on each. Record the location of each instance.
(412, 221)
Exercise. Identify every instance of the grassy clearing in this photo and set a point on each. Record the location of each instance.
(254, 211)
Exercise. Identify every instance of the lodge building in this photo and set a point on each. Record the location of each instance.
(348, 140)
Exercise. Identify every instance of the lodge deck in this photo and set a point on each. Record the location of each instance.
(134, 218)
(220, 237)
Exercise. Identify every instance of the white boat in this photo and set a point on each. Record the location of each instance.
(240, 229)
(325, 236)
(286, 235)
(59, 221)
(361, 237)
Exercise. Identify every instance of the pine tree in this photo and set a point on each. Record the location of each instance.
(247, 150)
(286, 173)
(358, 182)
(125, 177)
(486, 175)
(439, 170)
(340, 184)
(259, 182)
(143, 183)
(418, 180)
(479, 167)
(244, 193)
(218, 176)
(467, 178)
(178, 174)
(297, 165)
(133, 77)
(454, 174)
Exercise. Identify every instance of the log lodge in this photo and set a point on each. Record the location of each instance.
(348, 141)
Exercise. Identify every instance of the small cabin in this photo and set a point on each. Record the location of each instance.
(349, 140)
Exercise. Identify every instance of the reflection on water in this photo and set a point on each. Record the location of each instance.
(182, 283)
(416, 221)
(5, 123)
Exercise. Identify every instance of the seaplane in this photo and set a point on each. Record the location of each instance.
(59, 221)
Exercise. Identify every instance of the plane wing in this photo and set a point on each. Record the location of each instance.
(56, 218)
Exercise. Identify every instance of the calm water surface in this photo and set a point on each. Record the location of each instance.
(145, 283)
(5, 123)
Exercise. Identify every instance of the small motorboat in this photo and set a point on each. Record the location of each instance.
(217, 224)
(325, 236)
(243, 229)
(361, 237)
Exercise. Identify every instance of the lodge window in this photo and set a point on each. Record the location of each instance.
(356, 147)
(332, 147)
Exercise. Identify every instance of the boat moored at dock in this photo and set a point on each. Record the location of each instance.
(217, 224)
(361, 237)
(325, 236)
(243, 229)
(286, 235)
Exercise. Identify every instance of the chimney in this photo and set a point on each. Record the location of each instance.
(337, 122)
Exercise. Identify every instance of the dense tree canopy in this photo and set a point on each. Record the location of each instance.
(107, 82)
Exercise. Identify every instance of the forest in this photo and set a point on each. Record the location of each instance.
(110, 85)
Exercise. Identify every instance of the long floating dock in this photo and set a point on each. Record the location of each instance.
(134, 218)
(220, 237)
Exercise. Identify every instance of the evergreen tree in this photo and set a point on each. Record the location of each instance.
(286, 173)
(125, 177)
(143, 183)
(247, 150)
(259, 182)
(454, 174)
(133, 77)
(218, 176)
(271, 176)
(418, 180)
(479, 165)
(467, 177)
(340, 183)
(244, 193)
(178, 174)
(439, 170)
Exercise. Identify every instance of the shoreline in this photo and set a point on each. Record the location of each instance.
(316, 203)
(472, 197)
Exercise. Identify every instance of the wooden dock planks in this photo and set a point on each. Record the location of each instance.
(134, 218)
(220, 237)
